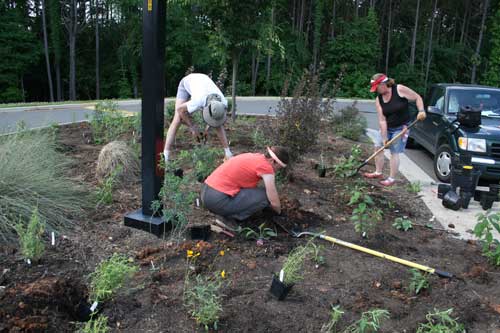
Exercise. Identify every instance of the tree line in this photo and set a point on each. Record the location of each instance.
(55, 50)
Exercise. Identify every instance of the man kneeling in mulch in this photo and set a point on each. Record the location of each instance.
(231, 191)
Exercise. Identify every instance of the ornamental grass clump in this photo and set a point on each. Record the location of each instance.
(202, 298)
(110, 276)
(96, 325)
(30, 238)
(34, 174)
(293, 268)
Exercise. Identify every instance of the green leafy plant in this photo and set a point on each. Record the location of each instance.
(108, 124)
(260, 139)
(414, 187)
(104, 192)
(317, 257)
(176, 200)
(441, 322)
(204, 160)
(203, 299)
(364, 214)
(347, 165)
(294, 264)
(96, 325)
(33, 173)
(369, 323)
(484, 231)
(30, 238)
(418, 281)
(336, 314)
(402, 223)
(261, 233)
(348, 122)
(110, 276)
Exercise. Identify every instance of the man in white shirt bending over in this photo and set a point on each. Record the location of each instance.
(198, 92)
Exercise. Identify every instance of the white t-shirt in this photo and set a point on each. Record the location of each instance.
(196, 87)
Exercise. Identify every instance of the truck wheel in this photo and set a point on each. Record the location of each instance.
(442, 163)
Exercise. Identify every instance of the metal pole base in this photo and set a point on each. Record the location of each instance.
(153, 224)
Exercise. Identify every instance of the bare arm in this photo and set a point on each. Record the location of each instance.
(272, 192)
(186, 118)
(411, 95)
(381, 120)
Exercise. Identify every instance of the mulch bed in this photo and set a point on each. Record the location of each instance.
(44, 297)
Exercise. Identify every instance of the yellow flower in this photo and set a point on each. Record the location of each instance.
(221, 253)
(223, 274)
(189, 253)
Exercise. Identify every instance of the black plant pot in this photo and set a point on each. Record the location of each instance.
(83, 311)
(200, 232)
(443, 189)
(452, 200)
(321, 172)
(279, 289)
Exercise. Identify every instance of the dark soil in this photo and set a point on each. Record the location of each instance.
(44, 297)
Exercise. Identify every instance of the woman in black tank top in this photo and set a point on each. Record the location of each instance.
(393, 117)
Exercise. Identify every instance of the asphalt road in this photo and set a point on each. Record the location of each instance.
(42, 116)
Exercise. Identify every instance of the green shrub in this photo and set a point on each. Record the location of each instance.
(96, 325)
(441, 322)
(402, 223)
(30, 238)
(175, 201)
(204, 159)
(336, 314)
(418, 281)
(110, 276)
(414, 187)
(364, 215)
(203, 299)
(346, 166)
(297, 124)
(369, 323)
(108, 124)
(33, 174)
(483, 230)
(104, 192)
(348, 122)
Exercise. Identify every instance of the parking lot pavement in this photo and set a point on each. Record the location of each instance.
(461, 222)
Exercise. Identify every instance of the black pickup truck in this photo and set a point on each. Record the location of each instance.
(444, 137)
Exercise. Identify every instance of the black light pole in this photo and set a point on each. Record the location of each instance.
(153, 92)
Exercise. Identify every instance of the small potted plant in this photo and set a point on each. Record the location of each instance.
(291, 273)
(261, 235)
(321, 167)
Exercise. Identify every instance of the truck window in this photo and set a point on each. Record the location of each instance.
(437, 98)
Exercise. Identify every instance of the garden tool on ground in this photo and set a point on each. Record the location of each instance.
(388, 144)
(220, 230)
(333, 240)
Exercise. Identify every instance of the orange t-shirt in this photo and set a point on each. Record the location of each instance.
(241, 171)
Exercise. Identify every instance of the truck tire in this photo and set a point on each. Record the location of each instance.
(442, 163)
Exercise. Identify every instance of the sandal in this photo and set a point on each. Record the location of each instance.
(388, 182)
(373, 175)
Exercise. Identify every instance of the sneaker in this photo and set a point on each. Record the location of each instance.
(373, 175)
(388, 182)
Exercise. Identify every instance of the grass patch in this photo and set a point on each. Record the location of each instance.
(32, 174)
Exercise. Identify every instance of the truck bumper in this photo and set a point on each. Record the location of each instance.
(489, 167)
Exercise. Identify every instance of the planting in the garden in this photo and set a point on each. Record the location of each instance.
(344, 254)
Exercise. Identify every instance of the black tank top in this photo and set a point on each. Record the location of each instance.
(396, 111)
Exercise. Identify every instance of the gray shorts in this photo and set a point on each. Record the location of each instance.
(240, 207)
(182, 92)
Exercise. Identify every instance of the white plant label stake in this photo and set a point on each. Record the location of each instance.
(282, 275)
(28, 261)
(93, 306)
(53, 239)
(152, 265)
(197, 202)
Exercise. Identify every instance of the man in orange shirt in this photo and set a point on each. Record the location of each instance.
(231, 190)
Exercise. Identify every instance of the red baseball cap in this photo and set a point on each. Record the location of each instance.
(374, 83)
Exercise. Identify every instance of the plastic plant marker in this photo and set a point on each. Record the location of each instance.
(282, 275)
(93, 306)
(53, 238)
(197, 202)
(152, 265)
(28, 261)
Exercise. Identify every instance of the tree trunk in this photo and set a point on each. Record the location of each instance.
(302, 13)
(332, 24)
(388, 47)
(236, 59)
(356, 10)
(97, 63)
(58, 81)
(72, 68)
(255, 69)
(318, 22)
(294, 19)
(268, 62)
(477, 56)
(465, 22)
(414, 38)
(46, 48)
(429, 51)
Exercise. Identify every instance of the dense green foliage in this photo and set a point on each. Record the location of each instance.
(264, 42)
